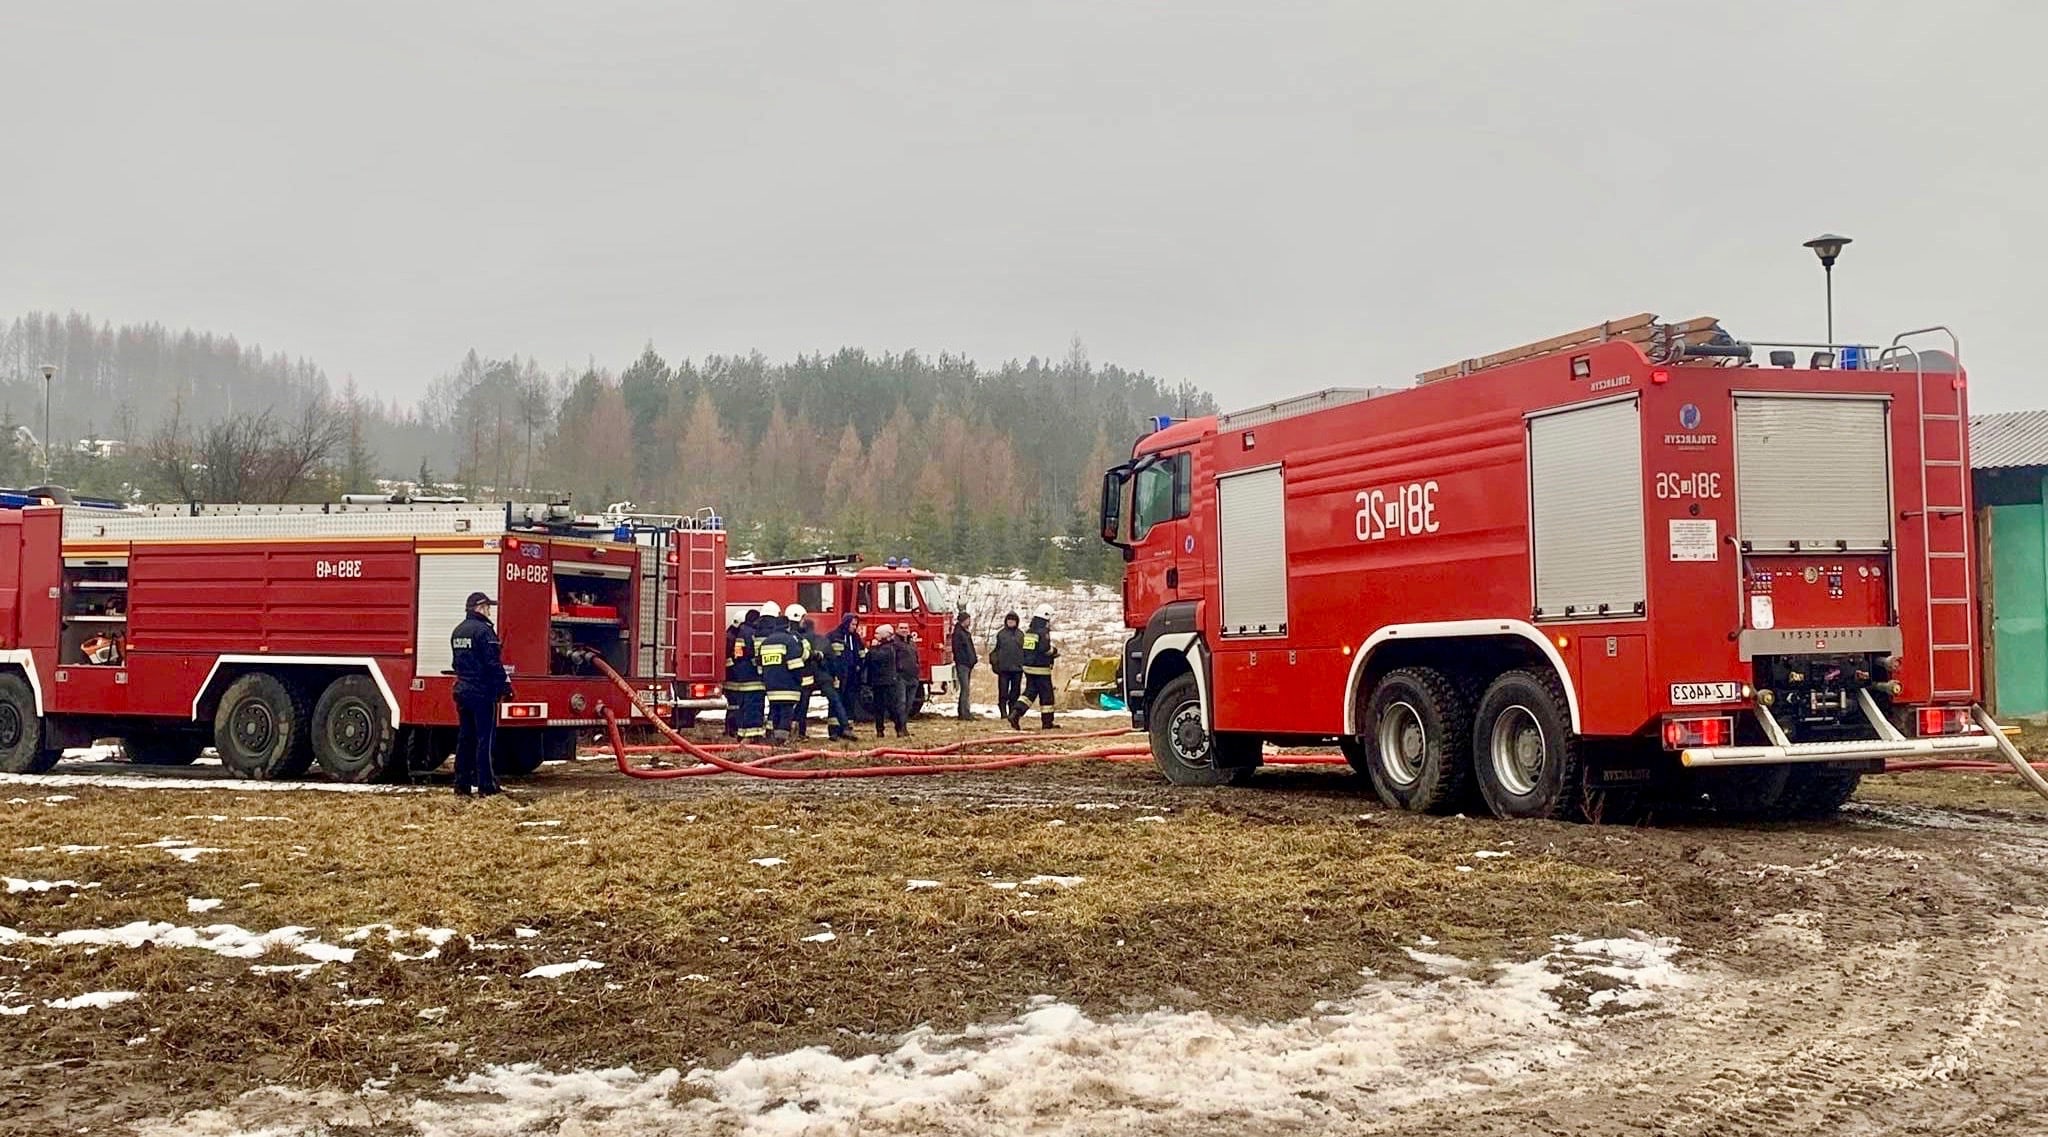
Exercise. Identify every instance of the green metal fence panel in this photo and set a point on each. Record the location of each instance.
(2019, 608)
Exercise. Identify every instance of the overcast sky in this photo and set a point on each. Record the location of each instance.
(1262, 197)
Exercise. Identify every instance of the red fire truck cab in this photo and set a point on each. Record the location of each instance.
(1622, 561)
(914, 601)
(285, 635)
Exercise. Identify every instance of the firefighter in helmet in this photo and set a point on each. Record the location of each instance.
(743, 678)
(1039, 652)
(781, 657)
(480, 681)
(736, 629)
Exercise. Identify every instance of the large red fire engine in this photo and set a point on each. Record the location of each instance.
(285, 635)
(1623, 559)
(911, 599)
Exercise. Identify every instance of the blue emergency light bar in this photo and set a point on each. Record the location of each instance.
(1161, 422)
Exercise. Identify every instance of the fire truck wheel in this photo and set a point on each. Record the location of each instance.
(1812, 793)
(263, 728)
(1749, 793)
(1524, 751)
(1185, 750)
(1417, 737)
(21, 730)
(353, 739)
(163, 748)
(518, 753)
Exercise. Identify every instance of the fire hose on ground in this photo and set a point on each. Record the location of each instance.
(713, 758)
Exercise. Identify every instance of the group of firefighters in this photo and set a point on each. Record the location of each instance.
(776, 659)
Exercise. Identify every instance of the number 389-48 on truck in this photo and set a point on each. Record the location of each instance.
(1638, 560)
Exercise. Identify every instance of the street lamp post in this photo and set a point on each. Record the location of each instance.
(49, 373)
(1827, 247)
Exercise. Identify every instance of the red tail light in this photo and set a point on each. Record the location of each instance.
(703, 690)
(1944, 720)
(1660, 376)
(522, 712)
(1698, 730)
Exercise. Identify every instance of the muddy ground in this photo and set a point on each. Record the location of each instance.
(1873, 974)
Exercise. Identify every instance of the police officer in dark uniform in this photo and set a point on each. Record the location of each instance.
(480, 681)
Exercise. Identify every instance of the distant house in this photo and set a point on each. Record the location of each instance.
(100, 447)
(2009, 456)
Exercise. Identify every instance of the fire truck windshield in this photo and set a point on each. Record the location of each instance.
(935, 597)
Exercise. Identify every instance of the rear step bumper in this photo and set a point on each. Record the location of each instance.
(1889, 743)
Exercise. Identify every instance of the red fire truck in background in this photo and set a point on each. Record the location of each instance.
(1619, 561)
(289, 635)
(914, 601)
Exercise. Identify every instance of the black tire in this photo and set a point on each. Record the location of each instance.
(518, 753)
(559, 743)
(1814, 793)
(1749, 793)
(21, 730)
(1186, 752)
(263, 728)
(1523, 750)
(426, 749)
(1418, 741)
(353, 739)
(163, 748)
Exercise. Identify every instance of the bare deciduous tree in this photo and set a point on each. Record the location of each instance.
(248, 457)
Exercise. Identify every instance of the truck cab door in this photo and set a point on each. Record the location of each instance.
(1163, 559)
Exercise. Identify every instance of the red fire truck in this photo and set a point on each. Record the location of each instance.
(285, 635)
(1624, 560)
(911, 599)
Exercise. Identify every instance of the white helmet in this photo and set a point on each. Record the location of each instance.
(732, 619)
(795, 614)
(1043, 612)
(771, 609)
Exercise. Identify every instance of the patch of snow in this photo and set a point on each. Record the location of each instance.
(1149, 817)
(768, 862)
(434, 1014)
(1056, 1068)
(540, 824)
(197, 904)
(1055, 881)
(1487, 854)
(557, 970)
(137, 782)
(299, 969)
(55, 798)
(526, 933)
(265, 817)
(824, 937)
(914, 885)
(220, 939)
(17, 884)
(373, 1002)
(20, 1010)
(95, 1000)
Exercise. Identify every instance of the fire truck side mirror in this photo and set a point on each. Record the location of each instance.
(1112, 506)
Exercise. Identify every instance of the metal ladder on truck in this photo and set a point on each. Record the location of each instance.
(1952, 659)
(1944, 519)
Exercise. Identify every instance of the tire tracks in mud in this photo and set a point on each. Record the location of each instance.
(1893, 985)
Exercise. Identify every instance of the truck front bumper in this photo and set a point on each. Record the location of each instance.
(1888, 744)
